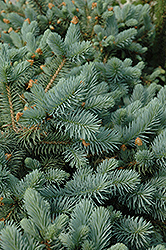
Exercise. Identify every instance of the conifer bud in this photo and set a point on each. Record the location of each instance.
(31, 62)
(42, 66)
(63, 3)
(52, 27)
(50, 5)
(123, 147)
(30, 84)
(33, 107)
(58, 21)
(18, 115)
(89, 17)
(39, 51)
(1, 204)
(75, 20)
(26, 108)
(3, 11)
(6, 20)
(10, 29)
(138, 141)
(110, 9)
(94, 5)
(27, 20)
(33, 56)
(8, 156)
(77, 9)
(84, 143)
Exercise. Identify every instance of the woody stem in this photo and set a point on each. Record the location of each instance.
(55, 75)
(11, 107)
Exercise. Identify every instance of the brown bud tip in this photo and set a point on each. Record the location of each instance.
(30, 84)
(3, 11)
(135, 27)
(10, 29)
(31, 62)
(33, 107)
(8, 156)
(26, 108)
(27, 20)
(96, 17)
(73, 1)
(89, 17)
(18, 115)
(63, 3)
(42, 66)
(33, 56)
(50, 5)
(138, 141)
(75, 20)
(52, 27)
(6, 20)
(123, 147)
(77, 9)
(39, 51)
(83, 104)
(94, 5)
(59, 21)
(84, 143)
(110, 9)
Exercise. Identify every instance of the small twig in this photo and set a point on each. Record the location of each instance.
(55, 75)
(11, 108)
(54, 142)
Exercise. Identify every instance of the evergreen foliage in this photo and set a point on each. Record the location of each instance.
(82, 127)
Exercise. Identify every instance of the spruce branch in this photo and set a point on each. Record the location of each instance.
(94, 100)
(39, 6)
